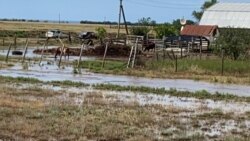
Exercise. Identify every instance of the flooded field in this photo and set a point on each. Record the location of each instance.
(44, 111)
(49, 71)
(90, 114)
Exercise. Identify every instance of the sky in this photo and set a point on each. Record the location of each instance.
(100, 10)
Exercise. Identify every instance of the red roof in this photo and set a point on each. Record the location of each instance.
(198, 30)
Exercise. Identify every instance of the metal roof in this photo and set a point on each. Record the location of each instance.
(235, 15)
(198, 30)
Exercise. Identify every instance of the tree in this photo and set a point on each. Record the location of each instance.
(166, 29)
(143, 27)
(170, 29)
(146, 21)
(101, 33)
(235, 42)
(198, 14)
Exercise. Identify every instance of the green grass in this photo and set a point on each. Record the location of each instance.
(173, 92)
(210, 66)
(205, 67)
(160, 91)
(236, 72)
(109, 66)
(69, 83)
(6, 79)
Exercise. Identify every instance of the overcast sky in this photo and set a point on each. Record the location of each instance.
(100, 10)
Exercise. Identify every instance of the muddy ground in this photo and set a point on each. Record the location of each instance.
(113, 50)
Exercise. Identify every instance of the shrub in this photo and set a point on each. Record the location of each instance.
(101, 33)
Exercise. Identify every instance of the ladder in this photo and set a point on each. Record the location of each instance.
(132, 56)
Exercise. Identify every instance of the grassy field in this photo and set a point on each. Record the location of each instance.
(36, 32)
(29, 26)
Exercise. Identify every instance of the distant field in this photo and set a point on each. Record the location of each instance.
(29, 26)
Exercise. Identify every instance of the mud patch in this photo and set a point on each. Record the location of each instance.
(113, 50)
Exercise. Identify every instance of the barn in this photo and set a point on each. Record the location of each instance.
(233, 15)
(194, 36)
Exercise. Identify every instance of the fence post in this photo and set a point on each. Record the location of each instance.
(164, 51)
(45, 44)
(176, 63)
(222, 62)
(157, 55)
(7, 56)
(130, 56)
(135, 52)
(15, 38)
(60, 60)
(80, 56)
(70, 41)
(25, 50)
(173, 54)
(104, 56)
(200, 47)
(3, 41)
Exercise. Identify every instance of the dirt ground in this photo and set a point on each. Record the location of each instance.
(113, 50)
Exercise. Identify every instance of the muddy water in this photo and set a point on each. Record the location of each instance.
(78, 94)
(50, 57)
(48, 71)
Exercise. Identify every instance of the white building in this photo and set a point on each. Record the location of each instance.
(234, 15)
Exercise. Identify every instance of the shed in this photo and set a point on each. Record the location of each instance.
(207, 31)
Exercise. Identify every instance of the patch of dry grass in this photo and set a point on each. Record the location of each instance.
(29, 26)
(99, 117)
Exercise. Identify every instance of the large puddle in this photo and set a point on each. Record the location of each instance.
(49, 71)
(31, 55)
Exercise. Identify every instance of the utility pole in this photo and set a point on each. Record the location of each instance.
(121, 13)
(59, 20)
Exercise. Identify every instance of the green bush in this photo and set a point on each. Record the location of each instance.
(235, 42)
(101, 33)
(139, 30)
(165, 30)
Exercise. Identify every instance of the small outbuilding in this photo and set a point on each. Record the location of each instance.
(210, 32)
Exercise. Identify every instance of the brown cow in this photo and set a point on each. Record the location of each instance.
(64, 51)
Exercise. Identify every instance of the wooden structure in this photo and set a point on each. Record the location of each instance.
(208, 33)
(121, 11)
(19, 52)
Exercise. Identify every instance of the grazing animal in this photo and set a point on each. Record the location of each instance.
(64, 51)
(148, 45)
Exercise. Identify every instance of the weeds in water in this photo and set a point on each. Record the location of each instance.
(25, 66)
(69, 83)
(19, 79)
(173, 92)
(160, 91)
(110, 66)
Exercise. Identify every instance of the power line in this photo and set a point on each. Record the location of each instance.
(159, 6)
(171, 3)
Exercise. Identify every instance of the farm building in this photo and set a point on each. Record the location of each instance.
(195, 36)
(210, 32)
(234, 15)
